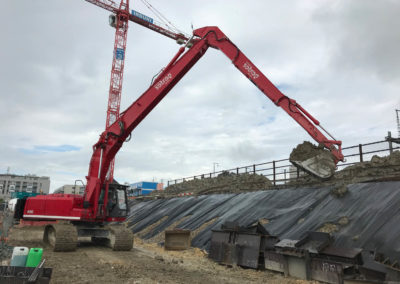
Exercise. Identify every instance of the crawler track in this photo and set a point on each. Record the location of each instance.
(62, 237)
(121, 238)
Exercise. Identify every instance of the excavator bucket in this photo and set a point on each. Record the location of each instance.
(315, 160)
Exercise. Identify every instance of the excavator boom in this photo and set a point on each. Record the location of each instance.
(104, 204)
(112, 139)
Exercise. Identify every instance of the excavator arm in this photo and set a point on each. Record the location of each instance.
(112, 139)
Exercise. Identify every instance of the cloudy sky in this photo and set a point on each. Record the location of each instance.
(339, 59)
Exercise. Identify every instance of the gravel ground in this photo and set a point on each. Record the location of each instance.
(146, 263)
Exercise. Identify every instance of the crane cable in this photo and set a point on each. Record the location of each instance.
(162, 18)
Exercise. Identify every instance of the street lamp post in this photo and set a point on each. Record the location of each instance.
(214, 165)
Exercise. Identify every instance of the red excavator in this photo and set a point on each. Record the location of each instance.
(99, 212)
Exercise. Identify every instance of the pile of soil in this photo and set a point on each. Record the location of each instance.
(308, 150)
(224, 183)
(319, 161)
(378, 168)
(332, 228)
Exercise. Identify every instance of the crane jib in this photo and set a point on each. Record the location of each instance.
(142, 16)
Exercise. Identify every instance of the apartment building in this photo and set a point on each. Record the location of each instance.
(29, 183)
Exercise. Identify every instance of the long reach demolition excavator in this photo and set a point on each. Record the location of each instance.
(99, 213)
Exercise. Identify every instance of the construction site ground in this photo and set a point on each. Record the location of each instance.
(359, 208)
(145, 263)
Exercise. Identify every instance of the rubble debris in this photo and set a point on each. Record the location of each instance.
(315, 160)
(379, 168)
(339, 191)
(332, 228)
(329, 228)
(307, 150)
(224, 183)
(343, 221)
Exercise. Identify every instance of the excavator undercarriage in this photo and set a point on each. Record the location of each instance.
(65, 236)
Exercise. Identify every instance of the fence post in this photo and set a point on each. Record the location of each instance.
(298, 172)
(210, 175)
(237, 171)
(167, 183)
(390, 142)
(361, 152)
(273, 168)
(175, 181)
(284, 171)
(254, 169)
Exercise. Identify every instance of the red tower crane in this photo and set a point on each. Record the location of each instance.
(119, 19)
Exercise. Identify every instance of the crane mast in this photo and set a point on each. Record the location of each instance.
(120, 22)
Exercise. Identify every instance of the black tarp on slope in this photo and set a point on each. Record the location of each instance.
(373, 210)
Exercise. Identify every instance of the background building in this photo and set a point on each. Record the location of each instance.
(71, 189)
(143, 188)
(10, 183)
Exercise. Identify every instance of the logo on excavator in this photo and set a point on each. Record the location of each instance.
(250, 70)
(163, 81)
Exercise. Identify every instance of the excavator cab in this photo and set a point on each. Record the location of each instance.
(117, 204)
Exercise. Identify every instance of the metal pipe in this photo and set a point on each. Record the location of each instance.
(327, 132)
(101, 160)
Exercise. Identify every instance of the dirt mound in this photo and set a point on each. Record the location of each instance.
(224, 183)
(379, 168)
(314, 159)
(307, 150)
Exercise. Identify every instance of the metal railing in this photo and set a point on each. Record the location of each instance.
(281, 171)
